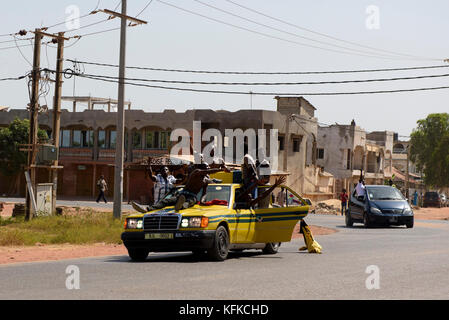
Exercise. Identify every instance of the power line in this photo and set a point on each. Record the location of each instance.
(263, 72)
(271, 83)
(148, 4)
(14, 78)
(318, 33)
(261, 93)
(294, 34)
(275, 37)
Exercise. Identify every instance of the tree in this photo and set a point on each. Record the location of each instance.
(430, 149)
(11, 159)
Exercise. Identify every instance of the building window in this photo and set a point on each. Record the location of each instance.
(137, 140)
(65, 139)
(296, 143)
(102, 139)
(348, 160)
(112, 139)
(281, 142)
(320, 153)
(157, 139)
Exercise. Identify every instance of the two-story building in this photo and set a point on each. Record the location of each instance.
(88, 140)
(347, 150)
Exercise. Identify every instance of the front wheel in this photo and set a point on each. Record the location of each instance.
(409, 224)
(366, 220)
(271, 248)
(220, 249)
(138, 254)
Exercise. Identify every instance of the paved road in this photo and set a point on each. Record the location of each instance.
(413, 264)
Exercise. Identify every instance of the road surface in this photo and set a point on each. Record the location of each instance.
(411, 264)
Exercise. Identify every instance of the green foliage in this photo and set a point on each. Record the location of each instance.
(11, 159)
(430, 149)
(81, 228)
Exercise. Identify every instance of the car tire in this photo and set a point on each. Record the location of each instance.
(220, 249)
(348, 220)
(366, 221)
(271, 248)
(138, 254)
(409, 224)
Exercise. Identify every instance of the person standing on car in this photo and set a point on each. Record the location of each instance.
(344, 201)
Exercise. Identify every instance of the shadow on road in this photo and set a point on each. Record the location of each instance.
(186, 257)
(372, 227)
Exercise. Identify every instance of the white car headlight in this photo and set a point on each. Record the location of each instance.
(134, 223)
(375, 210)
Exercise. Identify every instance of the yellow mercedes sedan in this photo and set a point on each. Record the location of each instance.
(219, 225)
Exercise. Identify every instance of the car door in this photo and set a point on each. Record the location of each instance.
(242, 222)
(276, 223)
(356, 207)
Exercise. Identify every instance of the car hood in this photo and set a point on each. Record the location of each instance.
(192, 211)
(390, 204)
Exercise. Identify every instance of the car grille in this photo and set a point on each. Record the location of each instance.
(161, 222)
(392, 211)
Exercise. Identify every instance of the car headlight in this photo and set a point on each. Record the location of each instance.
(375, 210)
(407, 211)
(195, 222)
(134, 223)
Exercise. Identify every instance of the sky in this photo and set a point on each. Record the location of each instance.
(176, 39)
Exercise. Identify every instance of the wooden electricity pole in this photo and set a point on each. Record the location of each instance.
(57, 115)
(34, 106)
(120, 129)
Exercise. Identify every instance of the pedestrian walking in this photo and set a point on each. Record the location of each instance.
(344, 201)
(103, 187)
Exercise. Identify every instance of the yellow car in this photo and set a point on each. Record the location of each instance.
(217, 227)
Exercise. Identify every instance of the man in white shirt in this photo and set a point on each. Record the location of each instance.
(360, 188)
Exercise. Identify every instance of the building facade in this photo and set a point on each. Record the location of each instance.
(87, 145)
(347, 150)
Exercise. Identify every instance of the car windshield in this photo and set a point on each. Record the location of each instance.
(216, 194)
(384, 193)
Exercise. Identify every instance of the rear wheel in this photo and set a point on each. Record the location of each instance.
(271, 248)
(348, 220)
(220, 250)
(138, 254)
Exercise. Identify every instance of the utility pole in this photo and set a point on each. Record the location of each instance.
(34, 106)
(57, 114)
(120, 129)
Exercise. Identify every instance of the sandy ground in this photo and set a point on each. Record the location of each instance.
(10, 255)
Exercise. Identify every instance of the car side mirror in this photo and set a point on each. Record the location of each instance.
(361, 198)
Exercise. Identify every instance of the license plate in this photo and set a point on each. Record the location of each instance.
(394, 219)
(149, 236)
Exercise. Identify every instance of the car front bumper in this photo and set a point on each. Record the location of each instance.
(393, 219)
(181, 241)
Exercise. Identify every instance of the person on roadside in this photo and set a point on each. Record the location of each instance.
(102, 187)
(344, 201)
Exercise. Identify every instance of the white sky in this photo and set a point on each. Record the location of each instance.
(176, 39)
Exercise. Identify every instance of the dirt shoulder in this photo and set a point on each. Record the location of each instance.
(10, 255)
(432, 213)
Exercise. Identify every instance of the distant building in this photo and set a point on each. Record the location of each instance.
(346, 150)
